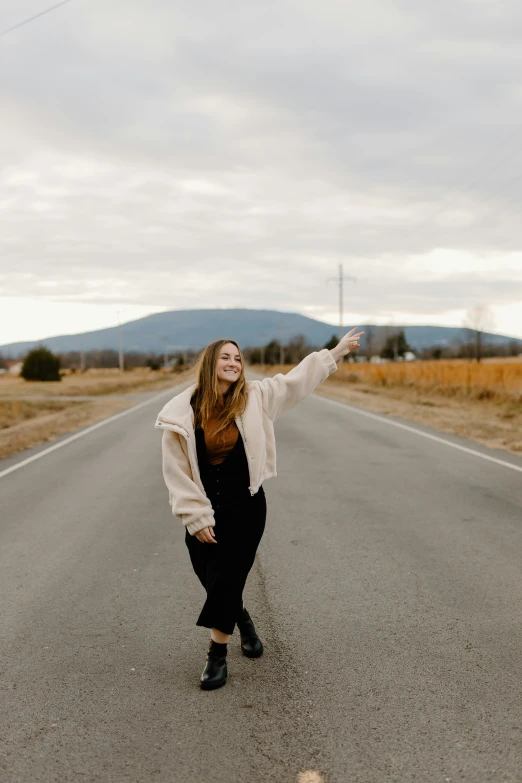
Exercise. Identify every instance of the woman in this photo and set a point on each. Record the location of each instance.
(218, 448)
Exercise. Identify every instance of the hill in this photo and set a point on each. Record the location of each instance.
(178, 330)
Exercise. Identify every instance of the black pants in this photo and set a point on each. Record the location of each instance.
(223, 568)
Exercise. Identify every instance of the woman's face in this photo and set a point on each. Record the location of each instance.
(228, 366)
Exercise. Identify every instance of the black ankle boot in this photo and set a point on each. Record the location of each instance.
(215, 672)
(251, 644)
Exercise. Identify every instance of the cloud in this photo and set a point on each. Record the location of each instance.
(185, 155)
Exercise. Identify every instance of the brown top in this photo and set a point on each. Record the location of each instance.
(219, 446)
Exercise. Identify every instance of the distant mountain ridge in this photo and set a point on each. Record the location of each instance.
(178, 330)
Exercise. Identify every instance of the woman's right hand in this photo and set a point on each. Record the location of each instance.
(206, 535)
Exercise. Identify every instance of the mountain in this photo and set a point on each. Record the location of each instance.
(178, 330)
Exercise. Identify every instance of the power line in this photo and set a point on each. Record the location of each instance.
(31, 18)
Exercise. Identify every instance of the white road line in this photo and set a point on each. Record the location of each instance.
(102, 423)
(420, 432)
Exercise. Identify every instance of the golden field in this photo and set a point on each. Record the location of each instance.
(478, 401)
(492, 379)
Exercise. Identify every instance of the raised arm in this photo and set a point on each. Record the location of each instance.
(282, 392)
(188, 502)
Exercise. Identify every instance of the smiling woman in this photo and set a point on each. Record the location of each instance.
(218, 448)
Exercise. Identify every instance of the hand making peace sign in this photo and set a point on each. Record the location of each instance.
(346, 344)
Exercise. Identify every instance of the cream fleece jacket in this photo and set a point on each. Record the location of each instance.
(267, 400)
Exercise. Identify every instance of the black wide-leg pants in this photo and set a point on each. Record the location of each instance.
(223, 568)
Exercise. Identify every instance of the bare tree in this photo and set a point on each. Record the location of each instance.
(370, 339)
(297, 349)
(478, 320)
(391, 340)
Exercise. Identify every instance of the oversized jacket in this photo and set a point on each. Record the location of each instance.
(266, 401)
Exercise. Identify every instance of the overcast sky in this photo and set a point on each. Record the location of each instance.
(170, 154)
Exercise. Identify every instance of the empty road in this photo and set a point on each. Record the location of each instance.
(387, 591)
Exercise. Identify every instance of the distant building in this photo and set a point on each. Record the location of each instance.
(409, 356)
(14, 368)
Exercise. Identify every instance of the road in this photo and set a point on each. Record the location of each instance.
(387, 591)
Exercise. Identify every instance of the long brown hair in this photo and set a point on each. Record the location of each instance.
(207, 400)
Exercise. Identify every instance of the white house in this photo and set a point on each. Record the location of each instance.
(14, 368)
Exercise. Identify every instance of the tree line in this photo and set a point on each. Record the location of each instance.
(42, 364)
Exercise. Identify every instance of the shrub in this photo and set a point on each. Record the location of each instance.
(41, 365)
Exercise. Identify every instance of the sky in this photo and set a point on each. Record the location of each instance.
(162, 156)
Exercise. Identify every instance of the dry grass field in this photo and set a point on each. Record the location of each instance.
(34, 412)
(482, 402)
(493, 379)
(92, 382)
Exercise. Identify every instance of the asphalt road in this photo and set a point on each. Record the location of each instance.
(387, 590)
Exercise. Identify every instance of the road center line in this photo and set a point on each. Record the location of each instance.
(427, 435)
(99, 424)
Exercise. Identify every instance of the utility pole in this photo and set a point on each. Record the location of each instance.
(341, 297)
(120, 343)
(340, 283)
